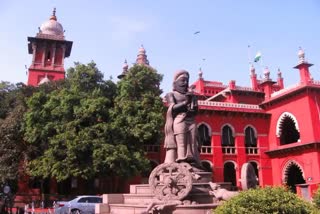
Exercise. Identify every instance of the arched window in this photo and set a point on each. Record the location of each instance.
(48, 57)
(250, 137)
(289, 133)
(227, 136)
(204, 135)
(229, 174)
(255, 167)
(288, 129)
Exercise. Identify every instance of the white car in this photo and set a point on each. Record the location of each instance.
(84, 204)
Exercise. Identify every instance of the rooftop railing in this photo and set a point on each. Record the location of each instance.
(228, 105)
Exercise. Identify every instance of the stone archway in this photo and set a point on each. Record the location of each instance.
(293, 175)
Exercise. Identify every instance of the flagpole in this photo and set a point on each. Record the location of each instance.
(249, 58)
(261, 65)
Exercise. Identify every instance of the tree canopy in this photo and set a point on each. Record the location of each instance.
(138, 107)
(88, 127)
(13, 150)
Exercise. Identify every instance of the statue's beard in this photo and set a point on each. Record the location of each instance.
(180, 89)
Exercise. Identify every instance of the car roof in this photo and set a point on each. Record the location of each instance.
(79, 196)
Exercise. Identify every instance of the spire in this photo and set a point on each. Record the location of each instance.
(280, 79)
(200, 73)
(53, 16)
(252, 70)
(142, 57)
(301, 55)
(279, 73)
(124, 69)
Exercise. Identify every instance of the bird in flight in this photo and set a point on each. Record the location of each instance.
(197, 32)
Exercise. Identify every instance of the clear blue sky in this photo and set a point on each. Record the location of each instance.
(110, 31)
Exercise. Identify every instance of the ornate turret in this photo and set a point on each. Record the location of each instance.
(48, 49)
(266, 73)
(267, 83)
(303, 67)
(280, 79)
(253, 77)
(124, 69)
(142, 57)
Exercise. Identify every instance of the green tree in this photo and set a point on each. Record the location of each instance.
(13, 150)
(137, 120)
(68, 124)
(266, 200)
(316, 198)
(139, 110)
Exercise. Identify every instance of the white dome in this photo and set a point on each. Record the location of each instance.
(52, 27)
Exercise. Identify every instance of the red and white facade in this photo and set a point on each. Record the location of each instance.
(275, 128)
(48, 49)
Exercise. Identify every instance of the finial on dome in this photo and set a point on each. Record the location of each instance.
(125, 65)
(53, 16)
(279, 73)
(301, 55)
(200, 73)
(142, 50)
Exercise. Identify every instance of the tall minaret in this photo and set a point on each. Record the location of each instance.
(303, 67)
(48, 49)
(142, 57)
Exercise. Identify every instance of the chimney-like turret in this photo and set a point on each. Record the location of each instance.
(253, 77)
(303, 67)
(267, 84)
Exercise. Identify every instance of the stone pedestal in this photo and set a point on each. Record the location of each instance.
(198, 200)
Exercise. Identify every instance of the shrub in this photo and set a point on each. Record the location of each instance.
(316, 198)
(276, 200)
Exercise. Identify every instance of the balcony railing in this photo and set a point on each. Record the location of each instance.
(228, 150)
(252, 150)
(228, 105)
(152, 148)
(206, 149)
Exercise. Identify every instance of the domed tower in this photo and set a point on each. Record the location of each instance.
(142, 57)
(48, 49)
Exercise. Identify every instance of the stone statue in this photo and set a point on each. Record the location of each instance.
(181, 134)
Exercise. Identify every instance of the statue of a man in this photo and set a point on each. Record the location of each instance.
(181, 134)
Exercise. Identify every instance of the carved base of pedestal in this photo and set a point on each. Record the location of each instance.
(174, 188)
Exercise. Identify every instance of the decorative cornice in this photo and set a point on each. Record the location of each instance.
(291, 148)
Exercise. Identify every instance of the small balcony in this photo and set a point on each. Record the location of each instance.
(206, 149)
(229, 150)
(252, 150)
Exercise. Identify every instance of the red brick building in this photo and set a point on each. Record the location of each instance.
(276, 129)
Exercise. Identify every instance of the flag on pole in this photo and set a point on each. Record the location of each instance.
(257, 57)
